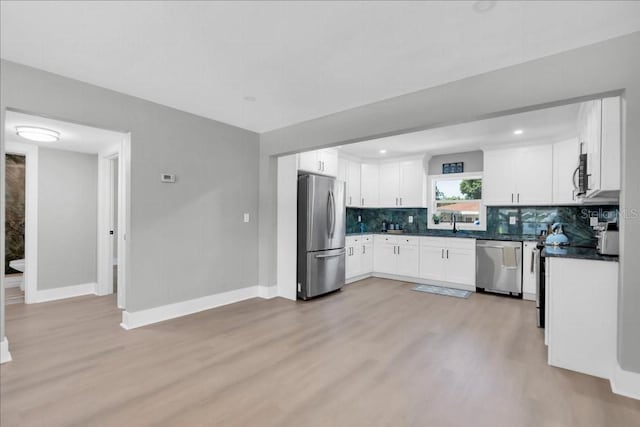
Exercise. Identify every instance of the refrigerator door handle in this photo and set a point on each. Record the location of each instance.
(330, 214)
(331, 256)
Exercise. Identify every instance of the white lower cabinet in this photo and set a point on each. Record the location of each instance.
(449, 260)
(367, 254)
(582, 307)
(358, 256)
(529, 270)
(397, 255)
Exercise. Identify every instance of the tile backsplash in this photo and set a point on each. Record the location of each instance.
(529, 220)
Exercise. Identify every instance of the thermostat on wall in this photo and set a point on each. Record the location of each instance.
(168, 177)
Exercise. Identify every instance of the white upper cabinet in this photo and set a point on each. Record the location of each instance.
(565, 162)
(370, 180)
(518, 176)
(389, 184)
(324, 162)
(599, 127)
(353, 184)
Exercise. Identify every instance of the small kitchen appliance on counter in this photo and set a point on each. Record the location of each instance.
(609, 239)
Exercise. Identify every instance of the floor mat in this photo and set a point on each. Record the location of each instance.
(439, 290)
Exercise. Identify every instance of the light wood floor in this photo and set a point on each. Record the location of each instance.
(375, 353)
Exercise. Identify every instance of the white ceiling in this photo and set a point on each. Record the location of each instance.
(300, 60)
(73, 137)
(546, 125)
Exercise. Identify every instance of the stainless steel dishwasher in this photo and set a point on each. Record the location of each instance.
(499, 266)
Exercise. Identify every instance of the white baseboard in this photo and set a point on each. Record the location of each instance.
(64, 292)
(356, 278)
(13, 281)
(420, 281)
(625, 383)
(267, 292)
(529, 297)
(5, 356)
(137, 319)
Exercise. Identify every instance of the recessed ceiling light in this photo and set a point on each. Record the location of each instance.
(518, 132)
(250, 98)
(482, 6)
(383, 151)
(37, 134)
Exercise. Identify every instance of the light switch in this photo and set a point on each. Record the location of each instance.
(246, 217)
(359, 218)
(410, 219)
(512, 220)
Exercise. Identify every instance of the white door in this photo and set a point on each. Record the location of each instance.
(498, 187)
(432, 263)
(369, 185)
(367, 258)
(460, 266)
(534, 175)
(328, 159)
(353, 184)
(385, 258)
(389, 185)
(309, 161)
(529, 270)
(408, 260)
(411, 187)
(565, 162)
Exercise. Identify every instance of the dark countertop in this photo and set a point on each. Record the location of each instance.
(459, 235)
(577, 252)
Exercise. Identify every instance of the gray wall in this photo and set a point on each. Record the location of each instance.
(473, 161)
(67, 218)
(608, 66)
(188, 239)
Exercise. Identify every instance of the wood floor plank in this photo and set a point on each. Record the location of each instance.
(375, 353)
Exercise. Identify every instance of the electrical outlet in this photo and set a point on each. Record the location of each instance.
(359, 218)
(410, 219)
(593, 221)
(246, 217)
(512, 220)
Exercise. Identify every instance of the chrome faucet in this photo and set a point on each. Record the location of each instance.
(455, 230)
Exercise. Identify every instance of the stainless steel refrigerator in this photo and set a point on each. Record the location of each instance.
(321, 235)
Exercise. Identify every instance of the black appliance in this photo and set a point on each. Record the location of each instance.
(582, 174)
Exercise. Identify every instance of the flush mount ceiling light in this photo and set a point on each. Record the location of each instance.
(37, 134)
(518, 132)
(250, 98)
(383, 151)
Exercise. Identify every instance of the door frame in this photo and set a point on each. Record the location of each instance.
(30, 274)
(106, 220)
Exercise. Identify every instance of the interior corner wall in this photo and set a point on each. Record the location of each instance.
(67, 218)
(601, 68)
(188, 239)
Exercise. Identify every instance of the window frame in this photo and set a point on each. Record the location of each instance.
(431, 181)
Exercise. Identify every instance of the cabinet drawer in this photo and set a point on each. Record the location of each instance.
(351, 240)
(367, 239)
(380, 238)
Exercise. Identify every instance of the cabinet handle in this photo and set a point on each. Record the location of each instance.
(396, 201)
(398, 250)
(511, 197)
(518, 197)
(363, 201)
(394, 250)
(447, 253)
(400, 201)
(349, 199)
(442, 254)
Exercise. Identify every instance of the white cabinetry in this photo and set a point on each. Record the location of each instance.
(359, 256)
(529, 270)
(396, 255)
(370, 182)
(349, 172)
(402, 184)
(450, 260)
(518, 176)
(324, 162)
(599, 127)
(565, 162)
(582, 310)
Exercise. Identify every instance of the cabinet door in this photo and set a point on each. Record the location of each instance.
(408, 260)
(592, 134)
(328, 159)
(385, 258)
(565, 162)
(353, 184)
(460, 266)
(610, 151)
(389, 185)
(498, 186)
(309, 161)
(534, 175)
(412, 183)
(529, 270)
(431, 264)
(353, 258)
(343, 164)
(367, 258)
(369, 185)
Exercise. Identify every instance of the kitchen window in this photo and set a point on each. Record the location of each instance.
(456, 197)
